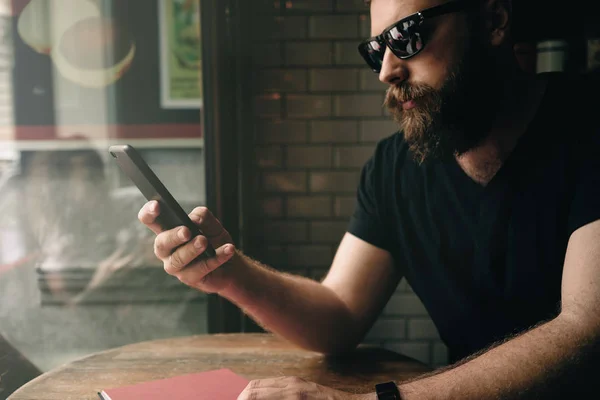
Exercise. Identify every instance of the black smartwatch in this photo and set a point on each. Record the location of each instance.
(387, 391)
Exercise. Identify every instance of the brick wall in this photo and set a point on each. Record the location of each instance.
(318, 115)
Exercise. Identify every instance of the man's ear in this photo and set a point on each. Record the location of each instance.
(498, 17)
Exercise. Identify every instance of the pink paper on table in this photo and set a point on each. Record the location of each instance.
(221, 384)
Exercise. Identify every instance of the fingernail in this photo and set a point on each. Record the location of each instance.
(198, 243)
(152, 207)
(181, 234)
(228, 250)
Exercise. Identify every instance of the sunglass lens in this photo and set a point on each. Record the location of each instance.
(404, 40)
(373, 51)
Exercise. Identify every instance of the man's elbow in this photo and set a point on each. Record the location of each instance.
(581, 323)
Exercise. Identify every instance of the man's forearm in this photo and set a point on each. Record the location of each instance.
(549, 359)
(299, 309)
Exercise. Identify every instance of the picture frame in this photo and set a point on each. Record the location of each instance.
(593, 54)
(180, 54)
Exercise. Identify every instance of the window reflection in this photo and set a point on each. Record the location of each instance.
(77, 269)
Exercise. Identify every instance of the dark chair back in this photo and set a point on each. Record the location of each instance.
(15, 369)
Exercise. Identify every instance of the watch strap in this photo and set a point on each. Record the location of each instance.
(387, 391)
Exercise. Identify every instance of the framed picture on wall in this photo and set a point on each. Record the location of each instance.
(180, 54)
(89, 69)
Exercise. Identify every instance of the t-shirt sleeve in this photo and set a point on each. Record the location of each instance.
(585, 207)
(367, 222)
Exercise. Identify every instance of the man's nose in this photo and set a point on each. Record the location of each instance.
(393, 69)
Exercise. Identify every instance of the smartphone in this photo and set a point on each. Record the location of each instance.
(171, 213)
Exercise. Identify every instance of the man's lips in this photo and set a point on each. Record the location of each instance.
(407, 105)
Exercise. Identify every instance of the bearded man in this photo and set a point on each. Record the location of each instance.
(487, 201)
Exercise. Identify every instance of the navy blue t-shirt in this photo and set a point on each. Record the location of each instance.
(487, 261)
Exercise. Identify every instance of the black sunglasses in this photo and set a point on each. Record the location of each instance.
(404, 38)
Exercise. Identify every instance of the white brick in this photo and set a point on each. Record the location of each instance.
(369, 81)
(333, 80)
(279, 27)
(346, 53)
(308, 156)
(309, 206)
(351, 5)
(310, 256)
(373, 130)
(272, 207)
(292, 27)
(275, 256)
(389, 329)
(287, 181)
(308, 106)
(334, 182)
(333, 131)
(286, 232)
(307, 53)
(420, 351)
(333, 27)
(364, 26)
(405, 304)
(327, 231)
(344, 206)
(281, 80)
(268, 105)
(358, 105)
(422, 328)
(267, 7)
(280, 131)
(352, 156)
(309, 5)
(268, 156)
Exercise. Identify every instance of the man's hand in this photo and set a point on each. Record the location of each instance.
(178, 250)
(289, 388)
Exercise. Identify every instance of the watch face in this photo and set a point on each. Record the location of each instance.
(387, 391)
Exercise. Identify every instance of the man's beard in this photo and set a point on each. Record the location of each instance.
(450, 121)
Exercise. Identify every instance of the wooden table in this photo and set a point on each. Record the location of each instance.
(253, 356)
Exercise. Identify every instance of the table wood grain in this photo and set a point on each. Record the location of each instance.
(253, 356)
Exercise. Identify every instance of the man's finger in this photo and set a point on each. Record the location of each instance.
(264, 389)
(280, 382)
(185, 254)
(194, 274)
(148, 214)
(262, 394)
(210, 226)
(167, 241)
